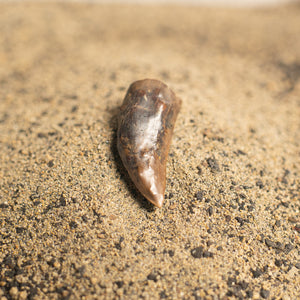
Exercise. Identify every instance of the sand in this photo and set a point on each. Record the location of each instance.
(73, 226)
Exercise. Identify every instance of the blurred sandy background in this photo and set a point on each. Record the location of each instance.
(224, 3)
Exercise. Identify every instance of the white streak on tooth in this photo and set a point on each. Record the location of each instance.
(149, 129)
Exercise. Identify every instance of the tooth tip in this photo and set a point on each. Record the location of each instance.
(151, 183)
(157, 200)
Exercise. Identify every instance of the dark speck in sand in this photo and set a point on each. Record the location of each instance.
(199, 195)
(256, 273)
(264, 293)
(213, 164)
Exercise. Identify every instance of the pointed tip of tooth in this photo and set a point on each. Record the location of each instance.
(157, 200)
(151, 186)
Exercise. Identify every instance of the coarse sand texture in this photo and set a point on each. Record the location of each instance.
(72, 223)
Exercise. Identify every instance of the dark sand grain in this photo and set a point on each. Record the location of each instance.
(72, 223)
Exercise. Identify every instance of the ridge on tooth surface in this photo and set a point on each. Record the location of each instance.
(145, 126)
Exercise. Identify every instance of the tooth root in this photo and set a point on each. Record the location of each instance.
(146, 121)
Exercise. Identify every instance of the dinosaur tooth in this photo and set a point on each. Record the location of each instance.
(145, 126)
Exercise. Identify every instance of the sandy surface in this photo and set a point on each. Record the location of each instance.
(72, 223)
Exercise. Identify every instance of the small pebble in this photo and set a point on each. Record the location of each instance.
(199, 195)
(260, 184)
(213, 164)
(152, 276)
(56, 265)
(256, 273)
(23, 295)
(119, 283)
(210, 211)
(197, 252)
(93, 280)
(13, 292)
(264, 293)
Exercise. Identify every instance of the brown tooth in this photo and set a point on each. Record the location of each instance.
(146, 121)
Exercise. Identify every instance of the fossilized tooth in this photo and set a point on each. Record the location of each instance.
(146, 121)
